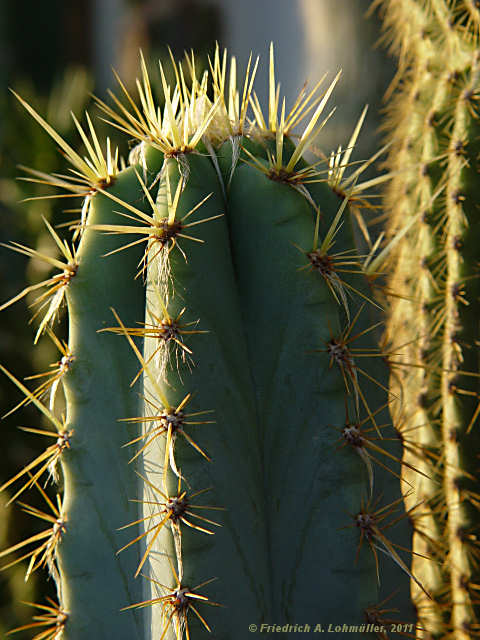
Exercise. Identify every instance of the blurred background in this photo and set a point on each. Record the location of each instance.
(55, 54)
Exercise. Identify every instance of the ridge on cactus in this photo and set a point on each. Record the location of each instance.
(243, 361)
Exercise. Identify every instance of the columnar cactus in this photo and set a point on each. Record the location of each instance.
(433, 318)
(264, 477)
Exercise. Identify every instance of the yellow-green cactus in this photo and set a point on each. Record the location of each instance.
(433, 315)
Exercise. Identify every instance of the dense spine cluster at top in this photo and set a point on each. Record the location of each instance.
(434, 308)
(226, 452)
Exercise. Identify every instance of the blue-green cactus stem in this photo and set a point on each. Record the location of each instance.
(290, 317)
(99, 484)
(201, 278)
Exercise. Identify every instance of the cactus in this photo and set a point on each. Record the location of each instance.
(226, 453)
(433, 317)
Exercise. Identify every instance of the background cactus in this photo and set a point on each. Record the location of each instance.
(262, 381)
(433, 318)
